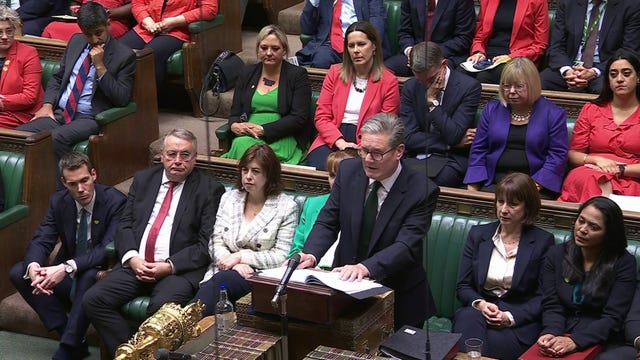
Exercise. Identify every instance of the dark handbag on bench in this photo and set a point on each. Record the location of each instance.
(221, 77)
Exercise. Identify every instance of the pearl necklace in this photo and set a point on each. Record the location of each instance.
(520, 118)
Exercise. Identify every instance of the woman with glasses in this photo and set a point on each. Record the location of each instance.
(272, 102)
(520, 132)
(605, 151)
(588, 282)
(352, 92)
(254, 228)
(21, 76)
(498, 282)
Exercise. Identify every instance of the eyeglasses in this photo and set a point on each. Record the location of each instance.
(7, 32)
(184, 155)
(375, 155)
(518, 87)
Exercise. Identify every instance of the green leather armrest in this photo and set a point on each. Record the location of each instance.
(223, 132)
(305, 38)
(110, 250)
(136, 309)
(13, 214)
(115, 113)
(199, 26)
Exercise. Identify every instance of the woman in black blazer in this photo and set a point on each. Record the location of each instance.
(272, 102)
(499, 273)
(588, 282)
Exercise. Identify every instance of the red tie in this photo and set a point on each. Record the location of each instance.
(150, 249)
(431, 11)
(336, 39)
(76, 91)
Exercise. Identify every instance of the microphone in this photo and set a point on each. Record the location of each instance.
(165, 354)
(282, 287)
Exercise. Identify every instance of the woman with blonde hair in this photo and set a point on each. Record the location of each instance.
(522, 131)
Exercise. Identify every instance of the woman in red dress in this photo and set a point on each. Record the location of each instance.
(604, 150)
(119, 16)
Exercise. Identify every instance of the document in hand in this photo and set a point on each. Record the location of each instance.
(468, 65)
(357, 289)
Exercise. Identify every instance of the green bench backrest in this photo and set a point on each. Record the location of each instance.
(12, 169)
(392, 24)
(48, 69)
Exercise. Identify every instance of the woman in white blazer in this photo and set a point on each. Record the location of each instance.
(254, 228)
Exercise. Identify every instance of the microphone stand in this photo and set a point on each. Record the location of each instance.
(284, 321)
(427, 129)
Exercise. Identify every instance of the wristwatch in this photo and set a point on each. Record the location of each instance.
(68, 268)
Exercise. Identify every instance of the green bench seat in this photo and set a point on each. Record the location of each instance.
(12, 170)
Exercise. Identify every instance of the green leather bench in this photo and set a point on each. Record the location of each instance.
(12, 170)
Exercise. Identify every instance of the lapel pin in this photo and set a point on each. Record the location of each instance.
(96, 222)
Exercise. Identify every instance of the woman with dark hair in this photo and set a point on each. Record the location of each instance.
(272, 102)
(499, 272)
(588, 282)
(352, 92)
(254, 228)
(522, 131)
(604, 149)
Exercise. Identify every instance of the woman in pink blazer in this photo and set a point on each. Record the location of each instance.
(21, 76)
(351, 93)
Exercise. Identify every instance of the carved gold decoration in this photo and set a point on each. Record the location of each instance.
(168, 328)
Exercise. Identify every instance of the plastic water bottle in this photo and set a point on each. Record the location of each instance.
(225, 314)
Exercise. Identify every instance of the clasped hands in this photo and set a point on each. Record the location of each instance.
(555, 346)
(578, 77)
(161, 26)
(603, 164)
(234, 262)
(247, 129)
(44, 279)
(493, 315)
(149, 271)
(355, 272)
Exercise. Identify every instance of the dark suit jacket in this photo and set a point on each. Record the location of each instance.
(60, 223)
(40, 11)
(193, 223)
(316, 21)
(449, 122)
(546, 144)
(395, 252)
(524, 298)
(294, 103)
(632, 323)
(588, 323)
(115, 87)
(620, 29)
(452, 28)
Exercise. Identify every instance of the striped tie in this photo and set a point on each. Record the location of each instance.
(69, 110)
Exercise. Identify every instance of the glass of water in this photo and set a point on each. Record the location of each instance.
(473, 348)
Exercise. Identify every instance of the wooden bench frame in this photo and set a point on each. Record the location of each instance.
(120, 148)
(37, 185)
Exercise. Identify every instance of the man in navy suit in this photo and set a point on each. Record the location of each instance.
(36, 14)
(631, 349)
(162, 240)
(84, 217)
(108, 82)
(449, 107)
(316, 20)
(383, 239)
(619, 28)
(452, 28)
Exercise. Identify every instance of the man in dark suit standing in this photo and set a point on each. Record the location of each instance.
(453, 24)
(449, 107)
(382, 239)
(84, 217)
(585, 35)
(96, 74)
(327, 20)
(162, 240)
(36, 14)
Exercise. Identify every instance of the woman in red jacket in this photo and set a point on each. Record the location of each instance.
(21, 76)
(164, 27)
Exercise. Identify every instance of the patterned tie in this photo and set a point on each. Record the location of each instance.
(589, 49)
(368, 220)
(69, 110)
(150, 249)
(82, 240)
(431, 11)
(336, 39)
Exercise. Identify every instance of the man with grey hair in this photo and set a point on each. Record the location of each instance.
(447, 101)
(162, 240)
(382, 239)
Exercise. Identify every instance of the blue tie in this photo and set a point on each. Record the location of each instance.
(368, 221)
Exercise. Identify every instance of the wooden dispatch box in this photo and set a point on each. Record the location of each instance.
(307, 302)
(362, 328)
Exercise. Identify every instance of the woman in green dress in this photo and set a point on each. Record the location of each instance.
(272, 102)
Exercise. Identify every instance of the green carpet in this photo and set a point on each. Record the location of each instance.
(24, 347)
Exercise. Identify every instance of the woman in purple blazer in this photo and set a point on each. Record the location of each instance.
(522, 132)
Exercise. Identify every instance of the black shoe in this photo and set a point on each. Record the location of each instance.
(64, 352)
(81, 352)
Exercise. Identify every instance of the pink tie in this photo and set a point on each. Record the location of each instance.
(150, 249)
(336, 39)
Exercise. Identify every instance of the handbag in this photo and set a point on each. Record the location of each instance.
(221, 77)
